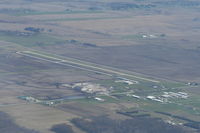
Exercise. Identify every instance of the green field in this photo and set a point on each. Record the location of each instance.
(83, 19)
(32, 40)
(32, 12)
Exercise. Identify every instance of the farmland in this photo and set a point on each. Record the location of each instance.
(99, 66)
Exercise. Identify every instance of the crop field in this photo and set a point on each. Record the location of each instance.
(74, 66)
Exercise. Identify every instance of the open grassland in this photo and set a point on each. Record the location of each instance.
(72, 61)
(30, 13)
(30, 41)
(37, 116)
(137, 50)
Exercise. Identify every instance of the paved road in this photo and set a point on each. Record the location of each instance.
(64, 64)
(109, 71)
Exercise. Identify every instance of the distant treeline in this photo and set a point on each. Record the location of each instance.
(126, 6)
(134, 125)
(84, 44)
(62, 128)
(184, 3)
(33, 29)
(190, 123)
(15, 11)
(15, 33)
(134, 114)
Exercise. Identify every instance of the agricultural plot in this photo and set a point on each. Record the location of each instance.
(79, 66)
(29, 40)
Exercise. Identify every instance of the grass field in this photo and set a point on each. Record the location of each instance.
(137, 52)
(31, 41)
(53, 13)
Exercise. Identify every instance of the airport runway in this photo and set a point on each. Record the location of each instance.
(87, 66)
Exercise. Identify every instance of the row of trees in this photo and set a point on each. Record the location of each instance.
(134, 125)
